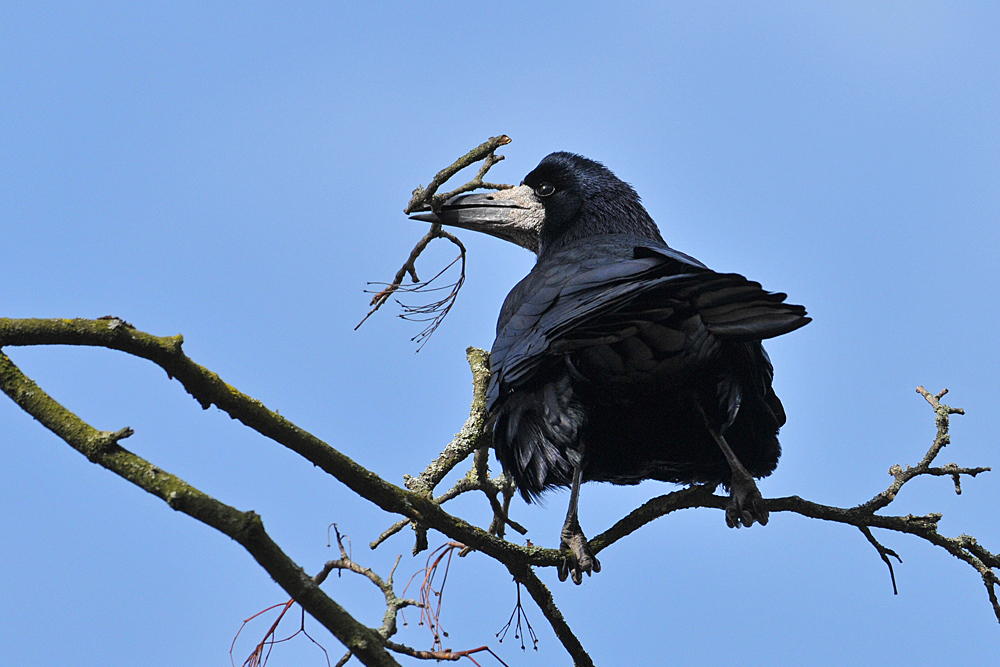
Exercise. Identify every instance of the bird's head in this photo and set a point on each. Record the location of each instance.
(566, 197)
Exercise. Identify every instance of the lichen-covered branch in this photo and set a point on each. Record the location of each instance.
(209, 389)
(474, 437)
(102, 448)
(416, 503)
(942, 416)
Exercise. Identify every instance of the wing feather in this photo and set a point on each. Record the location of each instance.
(570, 302)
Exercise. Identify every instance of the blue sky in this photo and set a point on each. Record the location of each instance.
(236, 173)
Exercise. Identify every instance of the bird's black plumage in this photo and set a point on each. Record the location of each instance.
(618, 358)
(610, 341)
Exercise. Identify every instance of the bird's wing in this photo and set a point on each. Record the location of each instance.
(580, 301)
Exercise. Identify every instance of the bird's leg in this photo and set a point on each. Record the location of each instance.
(745, 502)
(583, 559)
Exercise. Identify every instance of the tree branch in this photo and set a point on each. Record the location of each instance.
(393, 603)
(425, 199)
(863, 516)
(474, 437)
(102, 448)
(209, 389)
(418, 506)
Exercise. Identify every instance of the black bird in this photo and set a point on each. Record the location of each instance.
(619, 359)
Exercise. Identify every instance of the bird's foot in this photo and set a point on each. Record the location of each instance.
(580, 559)
(745, 502)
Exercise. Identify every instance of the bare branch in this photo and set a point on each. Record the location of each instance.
(493, 488)
(884, 554)
(425, 199)
(901, 476)
(863, 516)
(474, 437)
(438, 309)
(393, 603)
(446, 654)
(418, 507)
(209, 389)
(102, 448)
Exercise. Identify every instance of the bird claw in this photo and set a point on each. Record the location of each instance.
(580, 559)
(746, 505)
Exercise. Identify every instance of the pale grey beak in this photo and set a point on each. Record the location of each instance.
(513, 215)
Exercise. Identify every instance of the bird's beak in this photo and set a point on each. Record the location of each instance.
(514, 215)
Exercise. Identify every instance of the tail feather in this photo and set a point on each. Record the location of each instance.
(739, 309)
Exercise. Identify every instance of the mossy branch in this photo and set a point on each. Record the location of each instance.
(209, 389)
(415, 504)
(102, 448)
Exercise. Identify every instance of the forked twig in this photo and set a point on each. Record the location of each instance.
(426, 199)
(518, 628)
(884, 552)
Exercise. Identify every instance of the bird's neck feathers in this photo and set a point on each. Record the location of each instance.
(604, 212)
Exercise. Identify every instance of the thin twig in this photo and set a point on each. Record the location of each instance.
(520, 615)
(425, 199)
(439, 309)
(393, 603)
(446, 654)
(883, 552)
(540, 593)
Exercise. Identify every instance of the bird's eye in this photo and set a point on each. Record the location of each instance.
(545, 189)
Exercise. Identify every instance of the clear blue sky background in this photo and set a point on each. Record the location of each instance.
(236, 173)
